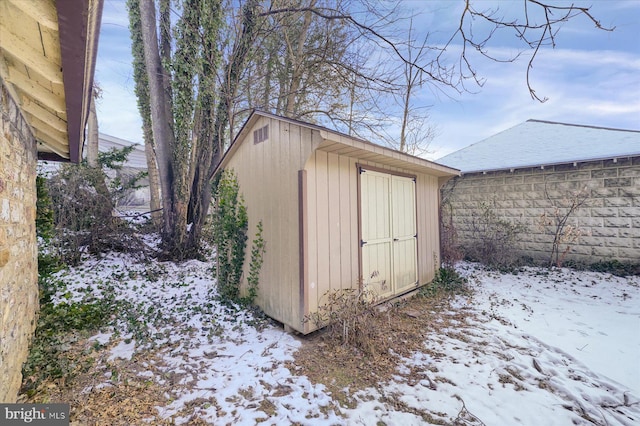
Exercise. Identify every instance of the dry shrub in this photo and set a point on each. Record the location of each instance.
(349, 316)
(402, 329)
(555, 222)
(450, 249)
(493, 239)
(83, 206)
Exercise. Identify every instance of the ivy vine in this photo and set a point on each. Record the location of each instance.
(257, 254)
(230, 224)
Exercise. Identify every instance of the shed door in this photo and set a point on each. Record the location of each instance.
(388, 225)
(405, 242)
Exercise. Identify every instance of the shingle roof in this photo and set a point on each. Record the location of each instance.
(537, 143)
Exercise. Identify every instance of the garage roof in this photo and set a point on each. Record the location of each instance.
(47, 58)
(536, 143)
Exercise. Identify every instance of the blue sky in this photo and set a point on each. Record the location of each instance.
(592, 77)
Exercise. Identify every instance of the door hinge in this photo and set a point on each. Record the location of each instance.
(361, 170)
(362, 243)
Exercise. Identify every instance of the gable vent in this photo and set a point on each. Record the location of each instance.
(261, 135)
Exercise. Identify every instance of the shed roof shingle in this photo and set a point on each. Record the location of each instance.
(538, 143)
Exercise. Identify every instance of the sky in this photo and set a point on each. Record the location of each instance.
(591, 77)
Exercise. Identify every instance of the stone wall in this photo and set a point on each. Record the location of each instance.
(609, 220)
(18, 247)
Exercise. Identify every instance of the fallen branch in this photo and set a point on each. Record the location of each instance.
(465, 416)
(537, 366)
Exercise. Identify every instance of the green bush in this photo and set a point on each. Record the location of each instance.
(45, 225)
(446, 281)
(257, 255)
(614, 267)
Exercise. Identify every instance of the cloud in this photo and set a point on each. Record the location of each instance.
(593, 87)
(587, 82)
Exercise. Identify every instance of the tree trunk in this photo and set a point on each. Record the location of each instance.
(210, 154)
(142, 93)
(92, 134)
(100, 183)
(160, 121)
(154, 179)
(297, 60)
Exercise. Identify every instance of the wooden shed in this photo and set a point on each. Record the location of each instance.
(337, 212)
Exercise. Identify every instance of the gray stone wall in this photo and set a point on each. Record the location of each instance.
(609, 219)
(18, 247)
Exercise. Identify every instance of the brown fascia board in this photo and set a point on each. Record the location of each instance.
(73, 22)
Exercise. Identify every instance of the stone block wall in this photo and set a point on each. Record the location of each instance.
(609, 220)
(18, 246)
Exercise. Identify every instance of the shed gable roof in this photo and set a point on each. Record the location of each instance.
(342, 144)
(537, 143)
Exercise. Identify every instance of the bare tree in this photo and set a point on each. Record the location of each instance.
(556, 222)
(415, 130)
(189, 109)
(300, 58)
(537, 25)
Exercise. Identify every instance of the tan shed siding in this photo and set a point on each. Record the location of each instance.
(428, 229)
(312, 230)
(348, 226)
(335, 218)
(332, 208)
(321, 215)
(333, 225)
(268, 178)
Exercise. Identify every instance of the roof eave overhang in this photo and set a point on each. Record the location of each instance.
(346, 145)
(545, 165)
(363, 150)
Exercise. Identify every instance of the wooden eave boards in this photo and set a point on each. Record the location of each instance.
(42, 79)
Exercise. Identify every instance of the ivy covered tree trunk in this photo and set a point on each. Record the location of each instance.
(154, 178)
(161, 129)
(187, 91)
(215, 117)
(142, 95)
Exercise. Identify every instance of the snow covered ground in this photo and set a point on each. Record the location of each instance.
(552, 347)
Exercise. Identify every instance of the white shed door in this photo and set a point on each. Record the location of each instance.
(388, 221)
(405, 242)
